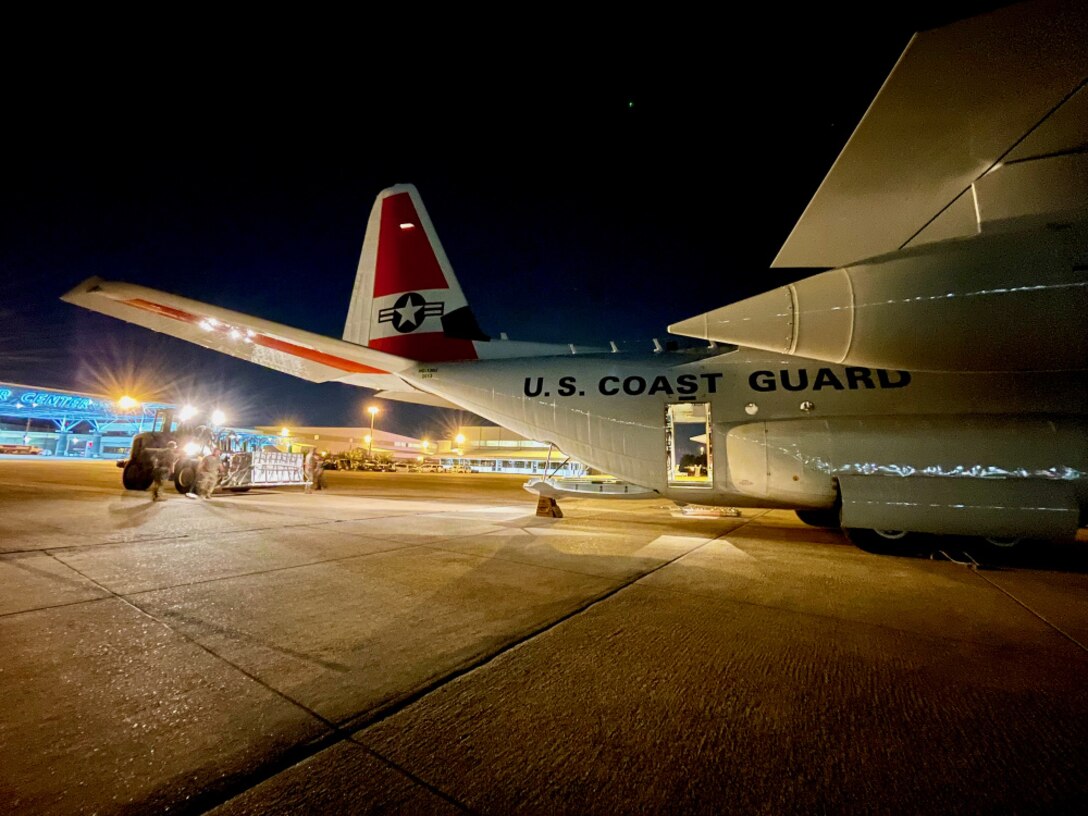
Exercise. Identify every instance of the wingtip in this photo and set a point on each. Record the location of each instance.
(85, 287)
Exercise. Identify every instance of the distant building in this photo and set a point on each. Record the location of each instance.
(492, 449)
(52, 422)
(341, 440)
(484, 448)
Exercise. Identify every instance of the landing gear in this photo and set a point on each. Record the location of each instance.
(820, 518)
(885, 542)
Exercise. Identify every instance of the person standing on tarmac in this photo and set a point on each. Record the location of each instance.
(319, 471)
(162, 465)
(207, 476)
(309, 462)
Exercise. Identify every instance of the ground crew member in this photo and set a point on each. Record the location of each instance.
(207, 475)
(162, 466)
(308, 465)
(319, 471)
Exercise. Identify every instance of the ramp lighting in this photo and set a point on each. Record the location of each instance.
(218, 417)
(126, 402)
(235, 334)
(285, 431)
(188, 412)
(459, 439)
(373, 411)
(192, 448)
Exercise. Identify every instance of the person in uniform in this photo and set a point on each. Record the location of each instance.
(207, 474)
(309, 462)
(162, 466)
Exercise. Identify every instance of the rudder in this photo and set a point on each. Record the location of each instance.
(406, 299)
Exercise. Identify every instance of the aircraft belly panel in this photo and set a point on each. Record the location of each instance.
(785, 462)
(989, 476)
(994, 508)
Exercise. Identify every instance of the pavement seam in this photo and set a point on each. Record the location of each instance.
(974, 568)
(150, 539)
(295, 754)
(380, 713)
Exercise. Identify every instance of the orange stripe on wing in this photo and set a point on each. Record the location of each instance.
(259, 339)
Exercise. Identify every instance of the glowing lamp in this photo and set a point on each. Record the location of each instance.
(218, 417)
(188, 412)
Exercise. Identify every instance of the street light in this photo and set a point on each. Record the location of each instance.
(373, 411)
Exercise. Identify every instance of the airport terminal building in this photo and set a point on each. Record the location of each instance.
(51, 422)
(483, 448)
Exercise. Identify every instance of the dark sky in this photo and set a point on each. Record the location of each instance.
(590, 182)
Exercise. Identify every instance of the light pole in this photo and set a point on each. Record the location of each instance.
(373, 411)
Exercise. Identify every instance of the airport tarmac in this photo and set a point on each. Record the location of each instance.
(425, 644)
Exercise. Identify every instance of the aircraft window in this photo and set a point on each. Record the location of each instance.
(688, 453)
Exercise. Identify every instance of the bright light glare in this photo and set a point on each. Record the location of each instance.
(127, 402)
(235, 334)
(191, 448)
(218, 417)
(188, 412)
(285, 431)
(460, 439)
(407, 226)
(372, 410)
(368, 439)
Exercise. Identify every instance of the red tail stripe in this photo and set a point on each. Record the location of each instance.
(260, 339)
(406, 261)
(430, 347)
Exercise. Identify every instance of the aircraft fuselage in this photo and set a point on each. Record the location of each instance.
(756, 429)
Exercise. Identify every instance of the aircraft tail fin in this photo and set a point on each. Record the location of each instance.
(406, 299)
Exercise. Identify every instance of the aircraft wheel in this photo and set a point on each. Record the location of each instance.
(885, 542)
(1005, 543)
(134, 477)
(185, 477)
(239, 489)
(819, 518)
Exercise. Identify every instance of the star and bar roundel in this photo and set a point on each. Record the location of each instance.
(409, 311)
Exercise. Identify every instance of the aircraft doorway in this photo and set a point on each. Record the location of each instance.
(688, 453)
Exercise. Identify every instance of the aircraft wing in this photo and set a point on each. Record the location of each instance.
(979, 122)
(955, 220)
(293, 351)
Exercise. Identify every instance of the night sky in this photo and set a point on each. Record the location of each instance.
(590, 182)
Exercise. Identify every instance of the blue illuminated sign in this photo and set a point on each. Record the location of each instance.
(44, 399)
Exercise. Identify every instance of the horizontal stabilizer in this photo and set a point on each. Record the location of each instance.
(416, 398)
(293, 351)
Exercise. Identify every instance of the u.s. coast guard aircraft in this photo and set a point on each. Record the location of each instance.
(934, 380)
